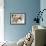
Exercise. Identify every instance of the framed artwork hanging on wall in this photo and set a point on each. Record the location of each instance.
(17, 18)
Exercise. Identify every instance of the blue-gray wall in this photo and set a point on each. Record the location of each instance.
(30, 7)
(43, 6)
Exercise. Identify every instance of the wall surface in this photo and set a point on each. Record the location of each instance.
(30, 7)
(43, 6)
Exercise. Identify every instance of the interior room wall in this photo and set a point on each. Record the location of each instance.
(15, 32)
(43, 6)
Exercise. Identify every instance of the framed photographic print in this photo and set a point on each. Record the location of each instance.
(17, 18)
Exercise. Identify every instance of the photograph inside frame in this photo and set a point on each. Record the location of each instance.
(17, 18)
